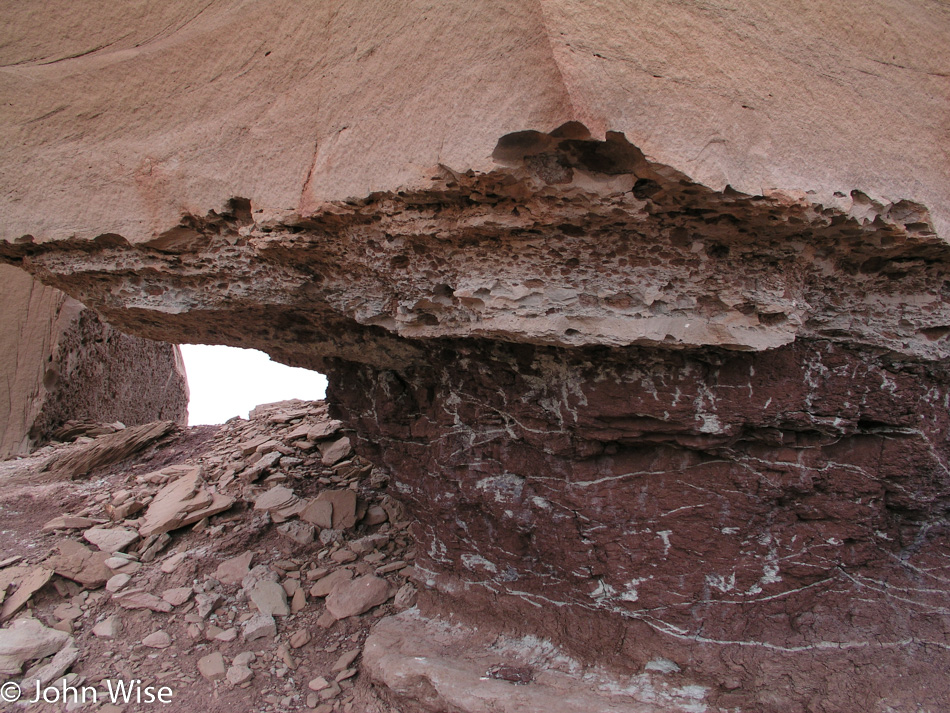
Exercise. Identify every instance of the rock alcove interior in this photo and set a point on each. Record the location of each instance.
(640, 418)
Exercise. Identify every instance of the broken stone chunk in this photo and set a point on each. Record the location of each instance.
(344, 507)
(375, 515)
(108, 628)
(80, 564)
(233, 570)
(270, 598)
(345, 660)
(259, 626)
(140, 599)
(275, 499)
(59, 664)
(319, 513)
(157, 640)
(335, 451)
(323, 586)
(70, 522)
(28, 581)
(357, 596)
(180, 503)
(212, 666)
(299, 532)
(239, 674)
(177, 596)
(110, 540)
(27, 640)
(116, 582)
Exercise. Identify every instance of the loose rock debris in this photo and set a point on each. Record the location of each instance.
(240, 575)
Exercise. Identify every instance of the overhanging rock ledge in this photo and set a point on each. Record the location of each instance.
(644, 306)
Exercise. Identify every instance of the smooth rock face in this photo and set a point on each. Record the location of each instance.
(823, 97)
(655, 354)
(62, 362)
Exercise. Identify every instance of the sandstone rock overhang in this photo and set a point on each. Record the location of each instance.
(569, 242)
(654, 348)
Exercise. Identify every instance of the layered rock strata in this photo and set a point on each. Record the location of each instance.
(62, 363)
(644, 419)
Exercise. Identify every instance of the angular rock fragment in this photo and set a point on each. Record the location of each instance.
(343, 503)
(80, 564)
(61, 662)
(70, 522)
(212, 666)
(177, 596)
(323, 586)
(27, 581)
(27, 640)
(108, 628)
(275, 499)
(140, 599)
(259, 627)
(111, 540)
(117, 581)
(300, 532)
(359, 595)
(336, 451)
(319, 513)
(237, 675)
(269, 598)
(182, 502)
(157, 640)
(233, 570)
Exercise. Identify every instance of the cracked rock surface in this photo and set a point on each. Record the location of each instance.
(644, 312)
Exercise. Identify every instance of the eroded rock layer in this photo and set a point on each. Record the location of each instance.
(644, 419)
(63, 363)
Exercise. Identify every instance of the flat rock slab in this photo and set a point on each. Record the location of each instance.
(180, 503)
(212, 666)
(107, 449)
(323, 586)
(140, 599)
(270, 598)
(27, 640)
(357, 596)
(28, 581)
(70, 522)
(275, 499)
(344, 507)
(259, 627)
(233, 570)
(336, 451)
(318, 513)
(111, 539)
(80, 564)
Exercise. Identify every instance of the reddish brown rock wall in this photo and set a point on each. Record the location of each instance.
(773, 523)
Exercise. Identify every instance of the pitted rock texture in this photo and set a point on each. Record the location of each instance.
(705, 427)
(644, 308)
(574, 242)
(63, 363)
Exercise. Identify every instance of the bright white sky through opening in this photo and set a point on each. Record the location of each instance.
(227, 382)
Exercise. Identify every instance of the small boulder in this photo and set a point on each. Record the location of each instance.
(357, 596)
(212, 666)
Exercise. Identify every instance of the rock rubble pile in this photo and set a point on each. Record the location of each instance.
(253, 568)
